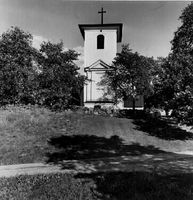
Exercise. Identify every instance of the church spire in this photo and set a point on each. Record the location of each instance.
(102, 12)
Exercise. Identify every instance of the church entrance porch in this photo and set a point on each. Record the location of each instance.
(94, 94)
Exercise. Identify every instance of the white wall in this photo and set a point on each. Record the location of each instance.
(93, 90)
(92, 54)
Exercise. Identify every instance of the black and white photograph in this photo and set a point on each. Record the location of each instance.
(96, 100)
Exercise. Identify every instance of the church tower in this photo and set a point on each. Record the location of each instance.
(100, 48)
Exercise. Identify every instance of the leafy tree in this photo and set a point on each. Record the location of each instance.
(48, 77)
(163, 84)
(182, 60)
(183, 37)
(170, 91)
(59, 81)
(182, 49)
(173, 83)
(17, 57)
(131, 76)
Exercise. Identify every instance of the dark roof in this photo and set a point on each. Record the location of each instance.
(117, 26)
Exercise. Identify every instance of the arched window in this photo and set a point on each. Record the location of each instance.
(100, 41)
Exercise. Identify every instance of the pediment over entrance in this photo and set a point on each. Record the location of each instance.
(99, 65)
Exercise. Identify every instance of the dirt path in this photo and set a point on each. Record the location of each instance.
(30, 169)
(163, 163)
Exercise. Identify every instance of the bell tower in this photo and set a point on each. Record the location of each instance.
(100, 48)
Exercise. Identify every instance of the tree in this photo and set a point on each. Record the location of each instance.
(182, 49)
(16, 66)
(163, 84)
(48, 77)
(182, 44)
(59, 81)
(173, 82)
(182, 60)
(131, 75)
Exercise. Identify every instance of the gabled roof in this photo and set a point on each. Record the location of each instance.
(99, 65)
(116, 26)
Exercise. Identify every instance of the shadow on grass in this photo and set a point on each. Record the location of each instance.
(91, 153)
(141, 186)
(84, 147)
(123, 171)
(162, 128)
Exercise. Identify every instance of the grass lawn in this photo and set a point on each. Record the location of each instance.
(25, 132)
(108, 186)
(122, 152)
(41, 187)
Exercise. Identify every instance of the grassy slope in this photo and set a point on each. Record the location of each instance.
(24, 133)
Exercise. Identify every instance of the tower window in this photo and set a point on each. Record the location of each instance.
(100, 41)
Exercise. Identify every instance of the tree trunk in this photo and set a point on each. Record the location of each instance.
(167, 112)
(133, 105)
(133, 91)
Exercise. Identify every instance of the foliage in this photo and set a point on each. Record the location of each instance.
(171, 88)
(181, 60)
(48, 77)
(163, 84)
(16, 66)
(131, 76)
(183, 106)
(173, 82)
(59, 80)
(183, 37)
(182, 56)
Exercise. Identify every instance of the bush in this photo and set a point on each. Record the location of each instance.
(184, 115)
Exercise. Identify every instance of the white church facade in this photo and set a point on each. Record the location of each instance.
(100, 49)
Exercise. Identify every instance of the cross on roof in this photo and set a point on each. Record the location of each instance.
(101, 12)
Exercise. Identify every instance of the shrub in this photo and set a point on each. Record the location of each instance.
(184, 115)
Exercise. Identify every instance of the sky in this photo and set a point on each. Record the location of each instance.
(147, 26)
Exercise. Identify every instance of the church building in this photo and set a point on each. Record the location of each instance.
(100, 49)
